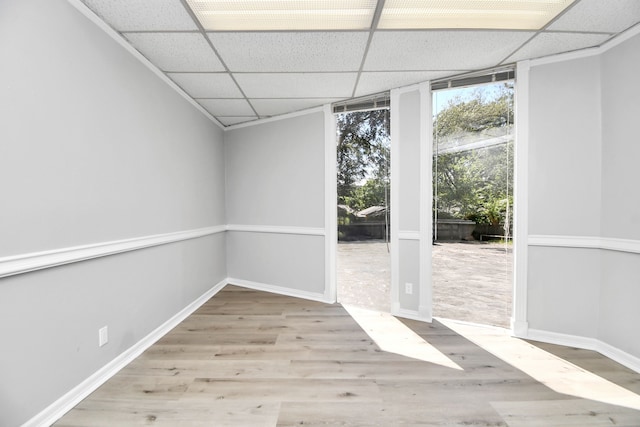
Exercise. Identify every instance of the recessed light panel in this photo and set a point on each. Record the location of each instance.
(470, 14)
(265, 15)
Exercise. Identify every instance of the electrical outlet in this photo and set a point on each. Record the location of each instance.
(408, 288)
(103, 336)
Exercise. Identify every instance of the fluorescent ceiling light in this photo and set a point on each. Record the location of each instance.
(472, 14)
(270, 15)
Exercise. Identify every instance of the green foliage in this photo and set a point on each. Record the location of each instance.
(475, 114)
(475, 184)
(371, 193)
(363, 158)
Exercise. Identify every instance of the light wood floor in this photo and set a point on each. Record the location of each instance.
(249, 358)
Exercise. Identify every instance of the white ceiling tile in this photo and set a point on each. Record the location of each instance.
(274, 107)
(599, 16)
(176, 51)
(374, 82)
(207, 85)
(228, 121)
(546, 44)
(227, 107)
(297, 85)
(441, 50)
(143, 15)
(272, 52)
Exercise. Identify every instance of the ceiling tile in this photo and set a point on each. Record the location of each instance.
(297, 85)
(228, 121)
(598, 15)
(274, 107)
(176, 51)
(546, 44)
(207, 85)
(441, 50)
(374, 82)
(227, 107)
(272, 52)
(143, 15)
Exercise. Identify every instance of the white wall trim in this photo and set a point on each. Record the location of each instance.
(25, 263)
(588, 52)
(411, 314)
(395, 199)
(586, 343)
(617, 355)
(521, 200)
(69, 400)
(330, 202)
(280, 290)
(566, 340)
(568, 56)
(620, 245)
(586, 242)
(620, 38)
(276, 118)
(519, 328)
(425, 296)
(82, 8)
(409, 235)
(275, 229)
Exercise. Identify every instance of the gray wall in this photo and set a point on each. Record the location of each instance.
(410, 252)
(621, 141)
(94, 147)
(620, 291)
(563, 290)
(407, 150)
(275, 175)
(564, 195)
(565, 149)
(582, 176)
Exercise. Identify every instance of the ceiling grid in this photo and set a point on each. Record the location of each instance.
(243, 60)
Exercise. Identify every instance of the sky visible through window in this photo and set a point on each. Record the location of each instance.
(442, 97)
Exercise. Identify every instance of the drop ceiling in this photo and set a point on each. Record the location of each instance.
(242, 60)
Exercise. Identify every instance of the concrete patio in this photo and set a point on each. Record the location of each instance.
(472, 281)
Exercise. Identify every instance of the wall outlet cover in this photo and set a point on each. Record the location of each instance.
(103, 336)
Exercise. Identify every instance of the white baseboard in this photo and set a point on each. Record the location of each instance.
(561, 339)
(622, 357)
(613, 353)
(497, 329)
(519, 328)
(280, 290)
(65, 403)
(410, 314)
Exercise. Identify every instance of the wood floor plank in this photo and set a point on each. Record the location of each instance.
(386, 414)
(571, 412)
(219, 338)
(184, 413)
(214, 368)
(248, 358)
(289, 390)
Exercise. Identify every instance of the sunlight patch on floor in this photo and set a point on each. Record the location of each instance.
(393, 336)
(554, 372)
